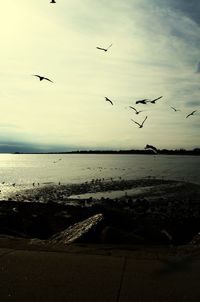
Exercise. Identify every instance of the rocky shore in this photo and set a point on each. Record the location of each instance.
(166, 212)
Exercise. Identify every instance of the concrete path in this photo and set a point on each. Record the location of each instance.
(112, 276)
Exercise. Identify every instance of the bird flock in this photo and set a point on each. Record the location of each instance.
(142, 101)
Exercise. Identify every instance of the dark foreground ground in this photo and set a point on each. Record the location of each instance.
(83, 273)
(143, 247)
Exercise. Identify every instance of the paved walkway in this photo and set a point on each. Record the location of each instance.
(113, 275)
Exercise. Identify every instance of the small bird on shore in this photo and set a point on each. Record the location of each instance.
(104, 49)
(42, 78)
(56, 161)
(192, 113)
(152, 148)
(136, 112)
(154, 101)
(108, 100)
(144, 101)
(140, 125)
(175, 109)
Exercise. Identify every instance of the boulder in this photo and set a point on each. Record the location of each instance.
(84, 231)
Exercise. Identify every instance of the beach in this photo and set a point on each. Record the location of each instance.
(145, 211)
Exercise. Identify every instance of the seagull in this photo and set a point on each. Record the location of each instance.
(136, 112)
(154, 101)
(175, 109)
(42, 78)
(192, 113)
(140, 125)
(57, 160)
(141, 101)
(151, 147)
(53, 1)
(108, 100)
(105, 49)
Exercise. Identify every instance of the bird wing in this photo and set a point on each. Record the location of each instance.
(157, 98)
(133, 108)
(48, 80)
(144, 120)
(173, 108)
(36, 75)
(151, 147)
(101, 48)
(109, 46)
(191, 113)
(141, 101)
(135, 122)
(108, 100)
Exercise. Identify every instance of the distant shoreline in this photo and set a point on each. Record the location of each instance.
(195, 151)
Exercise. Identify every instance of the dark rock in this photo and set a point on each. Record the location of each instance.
(195, 240)
(112, 235)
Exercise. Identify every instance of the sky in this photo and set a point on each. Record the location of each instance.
(155, 52)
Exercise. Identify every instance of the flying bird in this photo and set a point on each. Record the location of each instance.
(53, 1)
(141, 101)
(175, 109)
(192, 113)
(154, 101)
(42, 78)
(140, 125)
(108, 100)
(104, 49)
(136, 112)
(152, 148)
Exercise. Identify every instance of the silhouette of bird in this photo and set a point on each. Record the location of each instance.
(141, 101)
(104, 49)
(152, 148)
(175, 109)
(140, 125)
(136, 112)
(42, 78)
(192, 113)
(154, 101)
(53, 1)
(108, 100)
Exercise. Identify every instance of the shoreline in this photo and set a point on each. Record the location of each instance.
(166, 213)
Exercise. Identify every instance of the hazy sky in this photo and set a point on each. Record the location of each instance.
(156, 51)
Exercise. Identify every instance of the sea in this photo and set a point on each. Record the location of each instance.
(26, 169)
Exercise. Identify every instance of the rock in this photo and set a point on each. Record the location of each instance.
(195, 240)
(112, 235)
(79, 232)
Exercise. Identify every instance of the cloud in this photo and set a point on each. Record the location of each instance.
(155, 51)
(10, 146)
(198, 68)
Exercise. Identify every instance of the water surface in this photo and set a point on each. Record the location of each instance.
(25, 169)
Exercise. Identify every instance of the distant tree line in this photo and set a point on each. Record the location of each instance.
(195, 151)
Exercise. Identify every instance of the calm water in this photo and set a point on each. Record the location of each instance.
(26, 169)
